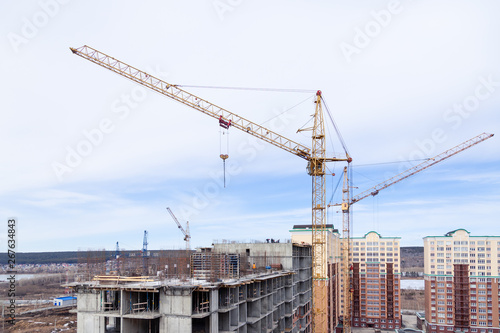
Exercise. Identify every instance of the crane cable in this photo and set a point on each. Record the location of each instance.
(336, 187)
(335, 126)
(224, 154)
(279, 114)
(247, 88)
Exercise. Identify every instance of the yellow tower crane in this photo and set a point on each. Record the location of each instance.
(315, 156)
(347, 201)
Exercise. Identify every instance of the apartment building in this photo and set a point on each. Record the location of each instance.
(462, 277)
(375, 281)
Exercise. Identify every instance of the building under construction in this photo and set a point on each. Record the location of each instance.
(233, 287)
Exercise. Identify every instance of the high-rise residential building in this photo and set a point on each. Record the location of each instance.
(462, 276)
(375, 281)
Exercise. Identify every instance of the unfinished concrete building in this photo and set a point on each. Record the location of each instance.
(252, 287)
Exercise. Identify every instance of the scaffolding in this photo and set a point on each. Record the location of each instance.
(390, 291)
(215, 266)
(201, 301)
(355, 291)
(461, 286)
(90, 264)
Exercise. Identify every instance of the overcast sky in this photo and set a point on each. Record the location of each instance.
(90, 158)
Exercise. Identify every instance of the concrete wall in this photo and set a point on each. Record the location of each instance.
(176, 307)
(87, 302)
(280, 252)
(332, 240)
(87, 305)
(88, 322)
(134, 325)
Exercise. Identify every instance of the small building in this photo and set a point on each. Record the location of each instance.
(65, 301)
(420, 320)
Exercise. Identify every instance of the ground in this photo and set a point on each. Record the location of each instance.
(41, 320)
(44, 323)
(412, 299)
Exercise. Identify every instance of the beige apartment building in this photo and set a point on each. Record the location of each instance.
(302, 234)
(376, 281)
(462, 276)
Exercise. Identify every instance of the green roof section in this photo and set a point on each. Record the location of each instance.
(453, 231)
(450, 234)
(379, 236)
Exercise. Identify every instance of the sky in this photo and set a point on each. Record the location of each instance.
(90, 159)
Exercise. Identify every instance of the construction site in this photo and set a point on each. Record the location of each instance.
(232, 287)
(311, 284)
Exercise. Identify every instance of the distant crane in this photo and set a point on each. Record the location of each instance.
(117, 257)
(186, 233)
(145, 244)
(145, 253)
(117, 252)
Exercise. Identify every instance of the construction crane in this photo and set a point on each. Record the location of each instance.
(346, 207)
(145, 253)
(117, 251)
(145, 244)
(315, 156)
(186, 234)
(117, 257)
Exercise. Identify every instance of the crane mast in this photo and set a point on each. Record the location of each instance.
(346, 254)
(316, 157)
(316, 168)
(346, 207)
(145, 253)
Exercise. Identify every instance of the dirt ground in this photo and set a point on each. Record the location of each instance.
(46, 321)
(412, 299)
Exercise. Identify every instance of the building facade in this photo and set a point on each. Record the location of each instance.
(302, 234)
(375, 281)
(462, 276)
